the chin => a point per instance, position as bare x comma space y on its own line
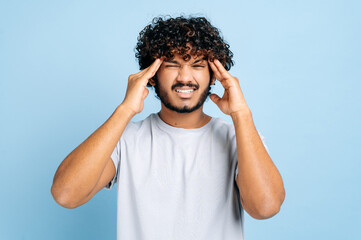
182, 109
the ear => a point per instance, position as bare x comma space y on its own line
151, 82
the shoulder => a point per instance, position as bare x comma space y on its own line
135, 127
223, 131
221, 126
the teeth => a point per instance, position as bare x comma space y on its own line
184, 91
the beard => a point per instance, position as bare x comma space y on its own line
163, 96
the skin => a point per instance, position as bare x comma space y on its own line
195, 71
261, 187
88, 168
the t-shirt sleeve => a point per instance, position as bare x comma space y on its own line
115, 156
265, 146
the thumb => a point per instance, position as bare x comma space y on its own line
215, 98
145, 93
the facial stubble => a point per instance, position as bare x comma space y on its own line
163, 96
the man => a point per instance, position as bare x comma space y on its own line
181, 174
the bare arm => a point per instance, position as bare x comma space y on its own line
88, 167
260, 184
78, 174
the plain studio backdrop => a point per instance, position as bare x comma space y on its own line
64, 67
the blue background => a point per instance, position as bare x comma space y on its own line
64, 67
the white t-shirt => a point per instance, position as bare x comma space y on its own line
176, 183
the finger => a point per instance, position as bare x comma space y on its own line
215, 98
145, 70
221, 69
153, 68
145, 93
215, 71
145, 75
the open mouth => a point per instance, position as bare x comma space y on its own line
184, 90
185, 93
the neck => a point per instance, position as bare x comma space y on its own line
195, 119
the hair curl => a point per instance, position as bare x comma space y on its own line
167, 37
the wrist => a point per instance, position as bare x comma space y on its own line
241, 115
125, 111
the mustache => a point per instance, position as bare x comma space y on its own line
187, 84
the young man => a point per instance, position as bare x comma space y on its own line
181, 174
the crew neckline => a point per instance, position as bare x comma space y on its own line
168, 127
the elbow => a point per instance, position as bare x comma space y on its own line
62, 199
266, 213
269, 209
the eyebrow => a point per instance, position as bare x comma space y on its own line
176, 62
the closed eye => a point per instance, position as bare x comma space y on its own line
198, 66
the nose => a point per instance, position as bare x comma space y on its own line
185, 74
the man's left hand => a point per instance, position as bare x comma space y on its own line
232, 100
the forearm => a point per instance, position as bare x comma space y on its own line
260, 184
81, 169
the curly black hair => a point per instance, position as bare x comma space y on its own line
169, 36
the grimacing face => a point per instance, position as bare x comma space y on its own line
183, 86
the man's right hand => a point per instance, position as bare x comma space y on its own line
136, 90
89, 167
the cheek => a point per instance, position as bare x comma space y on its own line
166, 75
165, 79
202, 77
